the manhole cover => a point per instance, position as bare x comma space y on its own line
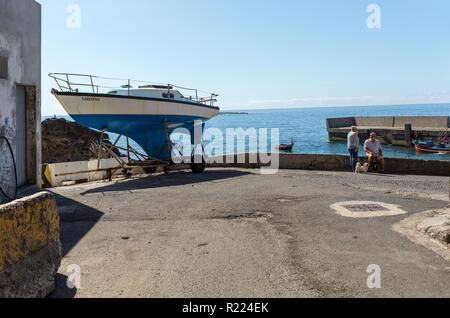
365, 209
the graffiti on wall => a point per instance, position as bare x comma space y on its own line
5, 128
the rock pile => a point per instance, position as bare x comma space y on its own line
66, 141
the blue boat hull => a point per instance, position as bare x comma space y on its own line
146, 130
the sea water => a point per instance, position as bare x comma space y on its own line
307, 126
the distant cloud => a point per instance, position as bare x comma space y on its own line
329, 101
304, 100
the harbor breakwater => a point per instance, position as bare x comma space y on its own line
390, 130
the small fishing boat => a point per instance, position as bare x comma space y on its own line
286, 147
429, 147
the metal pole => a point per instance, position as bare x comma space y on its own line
100, 147
128, 151
68, 82
59, 85
99, 150
167, 135
92, 83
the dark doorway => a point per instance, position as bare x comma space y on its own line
21, 136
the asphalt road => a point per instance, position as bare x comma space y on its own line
236, 233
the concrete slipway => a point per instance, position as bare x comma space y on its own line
233, 232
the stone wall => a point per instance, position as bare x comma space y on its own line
422, 121
390, 121
333, 162
30, 249
340, 122
392, 136
376, 121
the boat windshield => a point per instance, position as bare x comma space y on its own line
153, 93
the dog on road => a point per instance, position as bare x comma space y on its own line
361, 168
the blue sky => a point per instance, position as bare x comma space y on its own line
258, 54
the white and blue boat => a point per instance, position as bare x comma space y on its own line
146, 113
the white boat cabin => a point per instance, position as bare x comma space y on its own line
152, 91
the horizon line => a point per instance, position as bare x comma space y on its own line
298, 107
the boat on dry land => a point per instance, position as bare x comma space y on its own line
145, 112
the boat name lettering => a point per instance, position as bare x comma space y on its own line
90, 99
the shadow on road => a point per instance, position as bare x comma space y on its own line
61, 288
172, 179
77, 219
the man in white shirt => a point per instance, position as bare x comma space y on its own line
372, 147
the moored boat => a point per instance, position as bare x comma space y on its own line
429, 147
286, 147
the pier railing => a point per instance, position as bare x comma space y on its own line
85, 83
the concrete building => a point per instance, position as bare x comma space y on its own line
20, 85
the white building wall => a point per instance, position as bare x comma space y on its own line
20, 42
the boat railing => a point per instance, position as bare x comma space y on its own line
84, 83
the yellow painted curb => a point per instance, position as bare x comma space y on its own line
26, 226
